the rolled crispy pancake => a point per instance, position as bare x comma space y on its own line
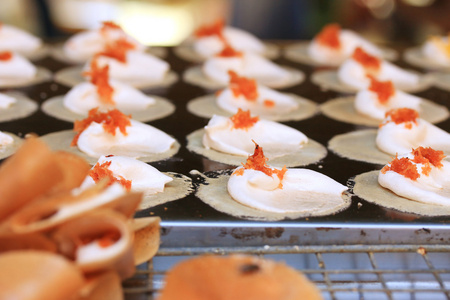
28, 275
236, 277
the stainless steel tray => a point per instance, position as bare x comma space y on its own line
364, 252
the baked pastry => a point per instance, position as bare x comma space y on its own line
38, 275
420, 175
433, 54
247, 94
369, 106
229, 140
126, 64
104, 93
19, 41
354, 73
136, 176
356, 70
415, 182
236, 277
258, 191
213, 73
132, 174
401, 131
84, 45
115, 133
332, 46
210, 39
17, 71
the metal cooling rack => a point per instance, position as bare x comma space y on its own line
340, 272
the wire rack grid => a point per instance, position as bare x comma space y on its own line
340, 272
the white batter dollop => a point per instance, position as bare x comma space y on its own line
354, 74
400, 138
6, 101
144, 177
276, 139
139, 66
208, 46
141, 140
84, 96
84, 45
280, 103
437, 50
431, 187
348, 42
17, 40
247, 64
367, 102
302, 190
16, 67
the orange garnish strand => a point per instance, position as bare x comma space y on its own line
215, 28
402, 166
329, 36
117, 49
104, 240
257, 162
109, 25
100, 78
269, 103
6, 55
108, 239
218, 92
428, 155
384, 89
369, 62
111, 120
243, 86
239, 172
402, 115
229, 51
243, 120
101, 171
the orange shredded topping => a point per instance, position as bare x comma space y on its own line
104, 240
100, 78
215, 28
425, 156
243, 86
329, 36
218, 92
428, 155
109, 25
117, 49
111, 120
257, 162
229, 51
404, 115
101, 171
402, 166
369, 62
384, 89
239, 172
6, 55
269, 103
243, 120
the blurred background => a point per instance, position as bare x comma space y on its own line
168, 22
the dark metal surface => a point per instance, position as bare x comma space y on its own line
190, 210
